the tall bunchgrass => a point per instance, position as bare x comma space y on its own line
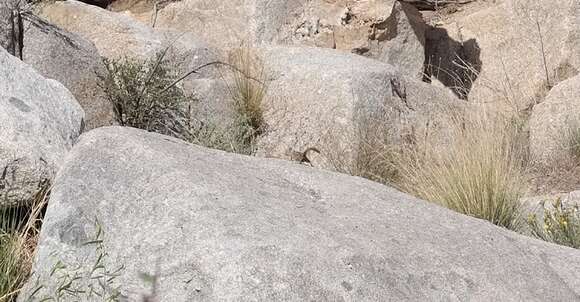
19, 229
248, 87
480, 173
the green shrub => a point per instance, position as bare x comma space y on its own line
142, 97
13, 266
560, 224
479, 174
93, 278
146, 95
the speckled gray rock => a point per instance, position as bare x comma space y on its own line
71, 60
401, 40
222, 227
553, 121
39, 122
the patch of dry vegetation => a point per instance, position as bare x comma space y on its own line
560, 224
248, 87
19, 230
373, 156
147, 95
480, 174
572, 142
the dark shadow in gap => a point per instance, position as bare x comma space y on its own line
456, 64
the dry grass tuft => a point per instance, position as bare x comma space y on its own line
248, 88
573, 142
19, 230
480, 174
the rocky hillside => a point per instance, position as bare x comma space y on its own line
289, 150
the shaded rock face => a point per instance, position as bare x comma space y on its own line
71, 60
399, 40
99, 3
216, 226
423, 51
40, 122
554, 121
11, 27
454, 64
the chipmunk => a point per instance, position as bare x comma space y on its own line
302, 157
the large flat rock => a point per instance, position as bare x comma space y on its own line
215, 226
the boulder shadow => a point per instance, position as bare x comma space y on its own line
455, 64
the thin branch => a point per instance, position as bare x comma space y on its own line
195, 70
543, 54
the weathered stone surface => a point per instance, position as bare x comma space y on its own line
334, 101
213, 103
341, 24
221, 227
514, 38
553, 120
114, 35
74, 62
10, 27
117, 36
40, 120
227, 23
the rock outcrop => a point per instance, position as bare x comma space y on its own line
525, 48
335, 101
40, 121
138, 211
